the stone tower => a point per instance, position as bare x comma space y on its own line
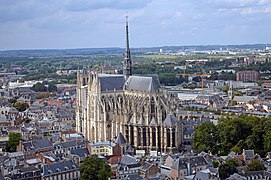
127, 64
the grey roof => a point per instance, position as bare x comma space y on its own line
128, 160
179, 164
170, 120
143, 83
81, 152
110, 82
29, 169
145, 166
50, 154
130, 149
134, 177
120, 139
59, 167
37, 144
66, 144
249, 153
198, 161
236, 176
41, 143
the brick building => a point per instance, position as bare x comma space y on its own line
247, 76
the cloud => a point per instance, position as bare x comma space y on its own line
84, 5
89, 23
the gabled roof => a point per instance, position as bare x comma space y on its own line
179, 164
66, 144
58, 167
153, 121
170, 120
81, 152
120, 139
41, 143
130, 149
143, 83
198, 161
128, 160
145, 166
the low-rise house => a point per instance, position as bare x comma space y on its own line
266, 106
147, 169
48, 157
78, 155
127, 166
35, 146
179, 167
64, 147
27, 173
63, 170
206, 174
107, 148
248, 156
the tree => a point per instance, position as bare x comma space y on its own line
226, 170
20, 106
215, 163
52, 87
205, 138
256, 165
13, 141
39, 87
94, 168
238, 148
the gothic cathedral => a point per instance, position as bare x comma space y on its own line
134, 106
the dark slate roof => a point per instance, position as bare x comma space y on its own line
110, 82
128, 160
66, 144
143, 83
29, 169
120, 139
145, 166
59, 167
198, 161
179, 164
81, 152
42, 143
134, 177
170, 120
28, 146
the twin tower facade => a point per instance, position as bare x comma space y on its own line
132, 105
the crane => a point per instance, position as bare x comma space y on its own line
195, 75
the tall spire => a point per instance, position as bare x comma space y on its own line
127, 65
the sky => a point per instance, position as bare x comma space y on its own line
63, 24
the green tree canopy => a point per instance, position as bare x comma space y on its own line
256, 165
39, 87
234, 134
205, 138
20, 106
13, 141
226, 170
94, 168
